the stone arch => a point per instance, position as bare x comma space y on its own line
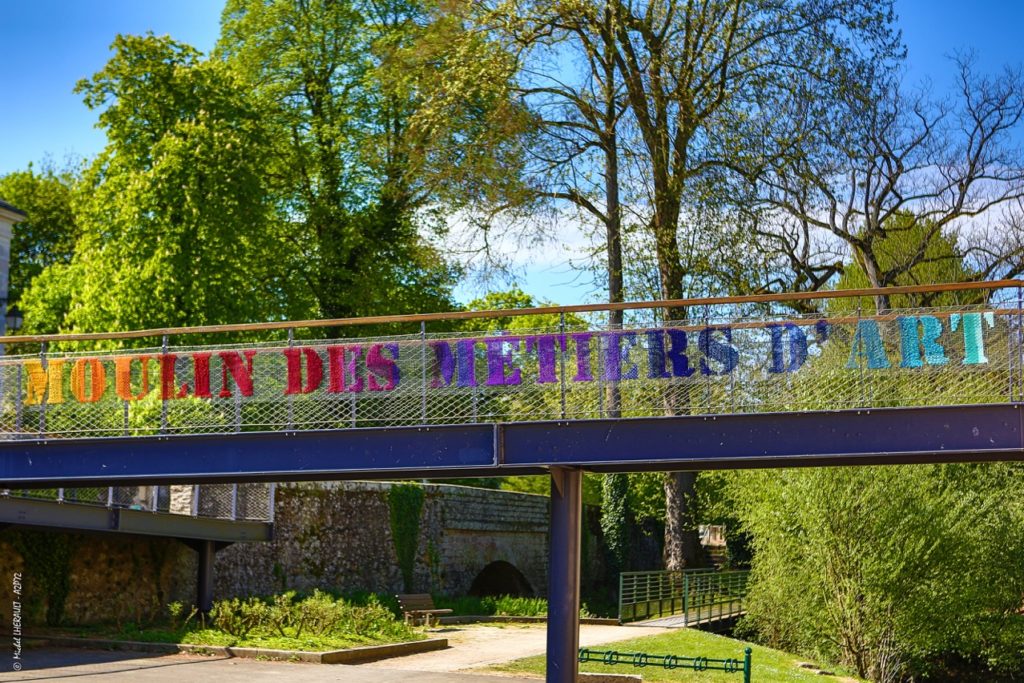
501, 578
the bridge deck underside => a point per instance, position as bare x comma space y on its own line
866, 436
45, 514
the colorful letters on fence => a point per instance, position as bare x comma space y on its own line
576, 357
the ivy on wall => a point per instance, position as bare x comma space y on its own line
405, 502
47, 569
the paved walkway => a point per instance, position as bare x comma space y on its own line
48, 664
481, 645
472, 647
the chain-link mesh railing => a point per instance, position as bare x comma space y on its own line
223, 501
707, 364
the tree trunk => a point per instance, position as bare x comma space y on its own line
873, 271
682, 537
616, 517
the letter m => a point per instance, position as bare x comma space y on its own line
45, 385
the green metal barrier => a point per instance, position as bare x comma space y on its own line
641, 659
696, 595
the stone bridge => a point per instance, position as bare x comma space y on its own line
337, 536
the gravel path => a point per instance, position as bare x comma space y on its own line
479, 645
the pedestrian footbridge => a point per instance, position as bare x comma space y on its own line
908, 375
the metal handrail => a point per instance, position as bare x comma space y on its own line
540, 310
696, 595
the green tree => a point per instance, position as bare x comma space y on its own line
914, 253
49, 233
176, 228
887, 569
889, 160
347, 163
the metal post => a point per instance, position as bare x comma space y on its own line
746, 665
860, 359
270, 502
291, 397
195, 500
154, 498
423, 372
621, 593
686, 599
234, 501
163, 398
110, 496
564, 575
42, 404
561, 357
1020, 341
60, 495
204, 584
17, 405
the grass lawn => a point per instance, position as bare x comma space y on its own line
767, 664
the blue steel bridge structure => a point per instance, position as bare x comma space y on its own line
738, 382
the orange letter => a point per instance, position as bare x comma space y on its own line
97, 376
123, 377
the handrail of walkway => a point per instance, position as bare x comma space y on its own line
507, 313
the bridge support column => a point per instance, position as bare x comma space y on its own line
204, 584
564, 575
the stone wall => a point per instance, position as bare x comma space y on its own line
110, 578
337, 536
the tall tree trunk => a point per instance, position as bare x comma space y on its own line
616, 518
682, 536
869, 262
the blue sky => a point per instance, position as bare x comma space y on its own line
50, 44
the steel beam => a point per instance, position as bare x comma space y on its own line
564, 575
204, 582
74, 517
845, 437
249, 456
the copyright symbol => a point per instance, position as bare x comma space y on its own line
17, 666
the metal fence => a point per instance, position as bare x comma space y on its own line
643, 660
695, 596
715, 362
222, 501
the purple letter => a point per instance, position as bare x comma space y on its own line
498, 359
582, 340
545, 347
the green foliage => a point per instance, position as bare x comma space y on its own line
174, 214
501, 605
913, 252
510, 300
47, 569
768, 664
285, 621
540, 484
405, 502
48, 234
342, 168
886, 569
616, 520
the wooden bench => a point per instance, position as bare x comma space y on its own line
416, 606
